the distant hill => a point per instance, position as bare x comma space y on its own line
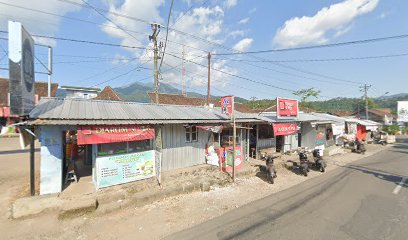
137, 92
395, 96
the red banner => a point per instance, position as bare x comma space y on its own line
286, 108
227, 105
280, 129
113, 133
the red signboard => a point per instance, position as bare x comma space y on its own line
286, 108
280, 129
113, 133
227, 105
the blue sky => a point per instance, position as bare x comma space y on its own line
222, 27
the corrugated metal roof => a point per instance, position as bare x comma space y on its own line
85, 111
362, 121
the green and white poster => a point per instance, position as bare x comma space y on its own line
125, 168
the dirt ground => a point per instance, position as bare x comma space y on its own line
152, 221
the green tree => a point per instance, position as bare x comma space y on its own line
305, 94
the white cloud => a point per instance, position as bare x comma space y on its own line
311, 30
243, 21
200, 22
146, 10
236, 33
120, 59
243, 45
230, 3
36, 22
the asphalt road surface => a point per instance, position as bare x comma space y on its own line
367, 199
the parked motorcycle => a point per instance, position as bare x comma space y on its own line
360, 147
320, 164
270, 169
304, 162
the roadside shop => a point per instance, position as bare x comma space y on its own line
118, 142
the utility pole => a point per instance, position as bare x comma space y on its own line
153, 37
253, 102
209, 79
183, 74
365, 89
49, 69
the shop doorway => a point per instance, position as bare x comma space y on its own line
279, 143
77, 163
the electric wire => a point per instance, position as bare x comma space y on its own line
362, 41
167, 34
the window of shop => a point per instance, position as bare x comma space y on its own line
108, 149
191, 134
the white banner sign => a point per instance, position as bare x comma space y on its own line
403, 111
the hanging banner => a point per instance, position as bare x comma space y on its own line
402, 111
113, 133
227, 105
280, 129
215, 129
338, 129
125, 168
287, 108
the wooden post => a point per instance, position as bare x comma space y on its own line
234, 136
247, 139
257, 139
209, 80
32, 170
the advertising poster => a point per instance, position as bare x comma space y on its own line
227, 105
21, 69
113, 170
402, 111
287, 108
226, 158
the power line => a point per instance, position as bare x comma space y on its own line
144, 21
322, 60
190, 35
80, 41
105, 17
363, 41
188, 10
236, 76
167, 34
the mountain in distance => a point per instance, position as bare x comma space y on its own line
137, 92
395, 96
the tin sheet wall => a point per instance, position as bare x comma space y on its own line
177, 153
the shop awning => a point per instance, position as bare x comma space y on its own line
280, 129
113, 133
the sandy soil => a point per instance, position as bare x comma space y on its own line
152, 221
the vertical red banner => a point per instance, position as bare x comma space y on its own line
227, 105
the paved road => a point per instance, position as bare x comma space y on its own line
365, 200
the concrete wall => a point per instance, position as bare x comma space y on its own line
51, 139
177, 153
